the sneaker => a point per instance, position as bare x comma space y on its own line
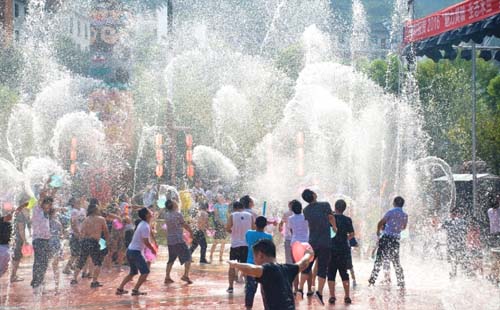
319, 297
230, 290
347, 300
332, 300
187, 280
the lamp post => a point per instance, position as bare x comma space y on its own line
474, 171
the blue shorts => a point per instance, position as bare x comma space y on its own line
137, 262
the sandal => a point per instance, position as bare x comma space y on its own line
332, 300
187, 280
95, 285
168, 281
138, 293
347, 300
16, 279
301, 292
309, 294
120, 291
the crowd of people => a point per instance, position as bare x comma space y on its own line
317, 242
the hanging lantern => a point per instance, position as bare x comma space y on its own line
158, 141
300, 169
73, 155
159, 156
159, 170
72, 169
189, 141
300, 138
189, 156
190, 171
73, 143
300, 154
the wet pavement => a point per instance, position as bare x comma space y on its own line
428, 287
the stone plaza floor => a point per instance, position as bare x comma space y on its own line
428, 287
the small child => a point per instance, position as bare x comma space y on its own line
275, 279
252, 236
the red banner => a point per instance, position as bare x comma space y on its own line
453, 17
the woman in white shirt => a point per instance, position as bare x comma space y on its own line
299, 229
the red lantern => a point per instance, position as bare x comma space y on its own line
189, 156
72, 169
159, 156
300, 138
189, 141
73, 143
300, 154
300, 169
158, 140
73, 155
190, 171
159, 170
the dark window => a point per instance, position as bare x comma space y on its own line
71, 25
16, 10
78, 28
86, 32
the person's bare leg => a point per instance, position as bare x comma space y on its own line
231, 277
321, 284
309, 284
140, 281
70, 264
55, 268
331, 287
222, 248
212, 250
13, 272
96, 272
168, 279
303, 278
346, 289
185, 277
126, 280
296, 283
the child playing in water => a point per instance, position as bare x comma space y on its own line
275, 279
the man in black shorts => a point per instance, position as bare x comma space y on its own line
238, 224
320, 218
275, 279
341, 253
92, 228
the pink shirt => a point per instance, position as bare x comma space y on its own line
40, 224
494, 216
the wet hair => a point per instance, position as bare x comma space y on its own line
340, 205
261, 222
136, 223
169, 204
296, 206
245, 200
122, 198
47, 200
237, 205
143, 213
94, 201
399, 201
92, 209
308, 195
266, 247
203, 206
72, 201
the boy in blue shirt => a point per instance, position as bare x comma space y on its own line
252, 236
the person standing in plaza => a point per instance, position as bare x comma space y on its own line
456, 231
284, 226
299, 229
319, 216
394, 221
5, 237
20, 224
93, 228
135, 254
239, 223
199, 237
252, 236
248, 206
341, 259
221, 214
177, 247
41, 237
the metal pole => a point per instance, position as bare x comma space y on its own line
474, 172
